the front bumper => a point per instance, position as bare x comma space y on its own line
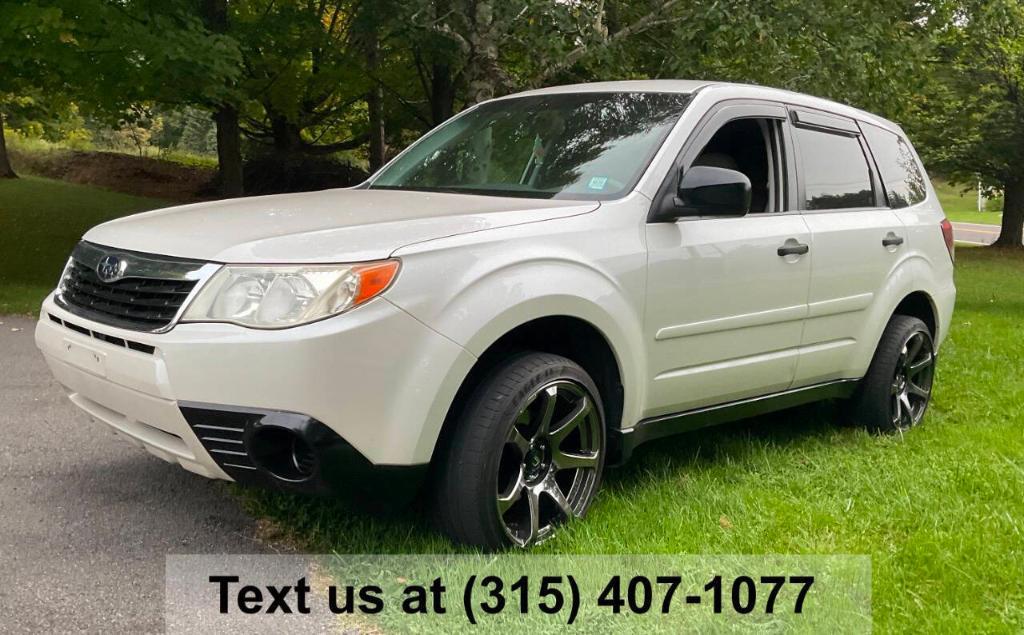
377, 377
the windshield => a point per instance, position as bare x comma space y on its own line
577, 145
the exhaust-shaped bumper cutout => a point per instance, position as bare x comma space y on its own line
297, 453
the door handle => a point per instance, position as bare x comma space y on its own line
892, 240
793, 249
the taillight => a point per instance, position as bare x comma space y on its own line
947, 235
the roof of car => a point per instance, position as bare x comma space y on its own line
724, 90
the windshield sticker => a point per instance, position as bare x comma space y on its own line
598, 182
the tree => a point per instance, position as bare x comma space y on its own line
116, 57
32, 46
6, 171
970, 119
372, 22
225, 114
505, 46
305, 75
862, 52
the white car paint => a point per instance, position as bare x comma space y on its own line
725, 313
319, 227
697, 312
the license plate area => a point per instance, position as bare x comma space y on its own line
85, 357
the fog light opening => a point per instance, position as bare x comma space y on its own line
282, 453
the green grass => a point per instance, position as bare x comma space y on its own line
40, 221
187, 159
38, 145
939, 509
962, 206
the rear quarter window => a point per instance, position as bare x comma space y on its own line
901, 177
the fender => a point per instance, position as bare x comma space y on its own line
910, 274
491, 296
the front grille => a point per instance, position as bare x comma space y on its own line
147, 296
134, 303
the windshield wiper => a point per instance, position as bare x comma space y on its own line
469, 191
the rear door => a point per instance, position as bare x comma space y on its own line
856, 240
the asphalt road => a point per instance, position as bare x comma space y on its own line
975, 234
86, 519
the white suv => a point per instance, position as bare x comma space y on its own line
520, 299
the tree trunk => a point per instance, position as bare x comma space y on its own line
378, 147
483, 72
442, 94
229, 134
286, 135
1011, 236
229, 151
375, 108
6, 171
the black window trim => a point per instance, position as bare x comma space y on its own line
884, 195
718, 115
841, 126
826, 122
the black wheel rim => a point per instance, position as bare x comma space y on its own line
912, 383
550, 463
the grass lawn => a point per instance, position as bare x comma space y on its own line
962, 206
40, 221
940, 509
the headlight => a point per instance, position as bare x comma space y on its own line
261, 296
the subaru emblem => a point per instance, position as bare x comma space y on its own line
111, 268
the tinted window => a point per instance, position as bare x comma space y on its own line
581, 145
904, 183
835, 172
743, 145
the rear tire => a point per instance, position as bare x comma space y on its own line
526, 455
894, 394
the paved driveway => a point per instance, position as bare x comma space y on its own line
975, 234
85, 519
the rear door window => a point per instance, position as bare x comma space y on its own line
903, 181
835, 170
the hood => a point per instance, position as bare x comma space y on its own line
329, 226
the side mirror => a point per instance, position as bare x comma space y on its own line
708, 191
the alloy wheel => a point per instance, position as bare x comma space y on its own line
912, 384
550, 462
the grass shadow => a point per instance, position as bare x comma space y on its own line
336, 525
733, 442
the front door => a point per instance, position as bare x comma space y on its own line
726, 297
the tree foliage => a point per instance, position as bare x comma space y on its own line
970, 117
303, 78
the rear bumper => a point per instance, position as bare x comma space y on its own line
945, 301
377, 378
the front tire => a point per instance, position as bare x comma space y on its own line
895, 392
527, 454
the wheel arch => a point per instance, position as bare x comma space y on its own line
911, 288
568, 335
921, 305
494, 297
